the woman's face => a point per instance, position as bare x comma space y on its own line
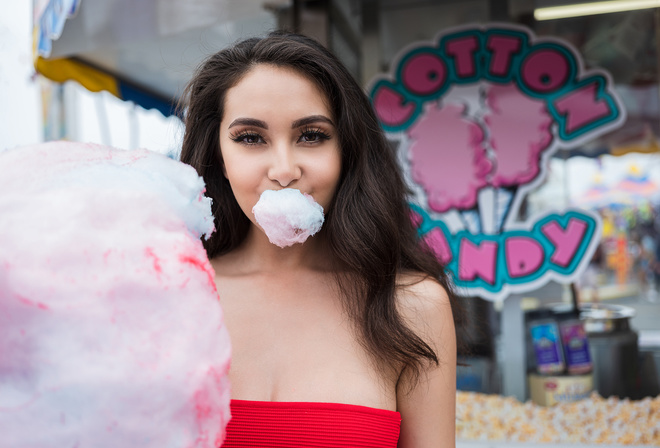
278, 132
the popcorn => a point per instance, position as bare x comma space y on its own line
288, 216
111, 333
594, 420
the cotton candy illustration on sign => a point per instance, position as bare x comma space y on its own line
448, 158
518, 155
112, 334
469, 158
475, 115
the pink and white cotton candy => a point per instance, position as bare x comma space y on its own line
518, 153
111, 331
448, 157
288, 216
473, 150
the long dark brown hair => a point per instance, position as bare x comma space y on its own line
368, 225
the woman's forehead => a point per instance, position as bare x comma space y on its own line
272, 89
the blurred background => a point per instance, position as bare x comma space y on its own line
111, 71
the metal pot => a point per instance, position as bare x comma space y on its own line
614, 349
600, 318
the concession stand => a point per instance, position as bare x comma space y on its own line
480, 98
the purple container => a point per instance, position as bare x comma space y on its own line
547, 346
576, 346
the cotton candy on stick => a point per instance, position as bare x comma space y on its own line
448, 158
519, 133
288, 216
111, 334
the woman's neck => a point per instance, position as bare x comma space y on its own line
257, 254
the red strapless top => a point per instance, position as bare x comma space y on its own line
304, 424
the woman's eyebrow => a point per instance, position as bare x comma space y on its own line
248, 122
311, 119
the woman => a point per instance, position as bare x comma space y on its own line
339, 340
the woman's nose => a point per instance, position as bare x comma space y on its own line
284, 168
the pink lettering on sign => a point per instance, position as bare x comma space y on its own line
524, 256
545, 70
424, 74
416, 218
502, 48
566, 241
582, 107
462, 50
437, 241
477, 261
390, 107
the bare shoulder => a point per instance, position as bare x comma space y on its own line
415, 287
427, 406
423, 303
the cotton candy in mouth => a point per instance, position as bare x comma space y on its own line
288, 216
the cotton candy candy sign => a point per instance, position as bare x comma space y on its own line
477, 113
111, 334
521, 257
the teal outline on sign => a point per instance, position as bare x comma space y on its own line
515, 63
502, 276
601, 84
513, 75
573, 69
479, 68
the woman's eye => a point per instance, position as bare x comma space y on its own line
313, 136
248, 138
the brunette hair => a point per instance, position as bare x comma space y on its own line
368, 225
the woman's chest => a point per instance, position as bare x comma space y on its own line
294, 342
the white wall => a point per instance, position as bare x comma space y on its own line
20, 105
92, 117
105, 119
